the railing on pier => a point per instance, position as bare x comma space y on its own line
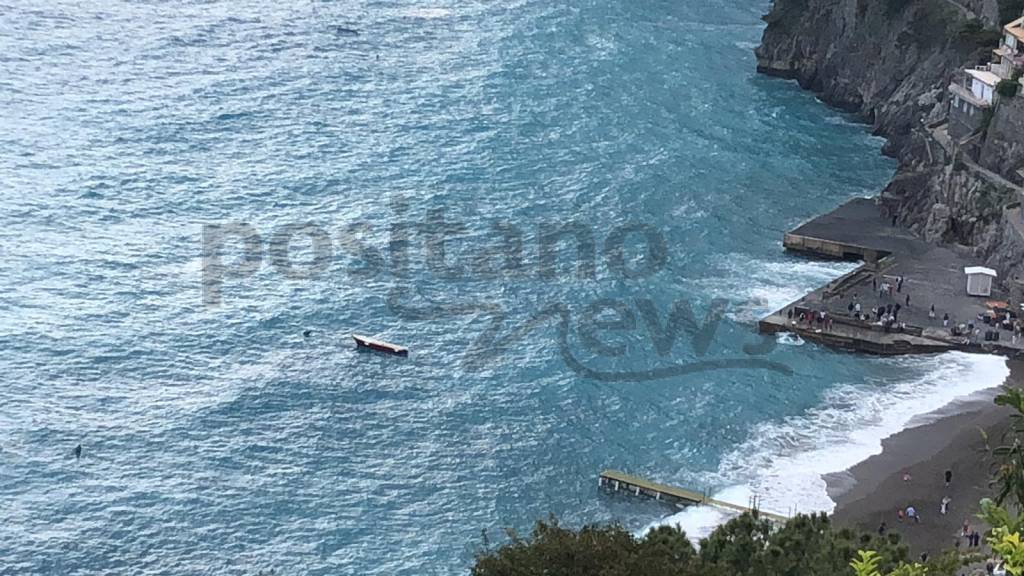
620, 481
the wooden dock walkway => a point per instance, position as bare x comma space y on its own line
620, 481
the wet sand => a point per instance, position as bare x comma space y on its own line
872, 491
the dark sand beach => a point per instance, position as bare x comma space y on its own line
872, 491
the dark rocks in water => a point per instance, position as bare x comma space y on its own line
307, 333
343, 31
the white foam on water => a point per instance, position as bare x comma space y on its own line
756, 288
746, 45
428, 13
784, 462
789, 339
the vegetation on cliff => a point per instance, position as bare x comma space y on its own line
745, 546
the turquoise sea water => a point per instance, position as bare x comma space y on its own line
219, 440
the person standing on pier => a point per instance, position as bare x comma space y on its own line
931, 312
945, 320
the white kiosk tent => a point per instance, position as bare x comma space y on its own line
979, 280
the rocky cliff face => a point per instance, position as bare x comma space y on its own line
891, 62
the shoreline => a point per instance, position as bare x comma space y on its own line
950, 439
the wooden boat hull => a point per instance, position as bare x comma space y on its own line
367, 343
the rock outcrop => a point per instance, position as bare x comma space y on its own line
891, 61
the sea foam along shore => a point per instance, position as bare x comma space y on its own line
872, 491
786, 463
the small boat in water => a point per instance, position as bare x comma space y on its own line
368, 343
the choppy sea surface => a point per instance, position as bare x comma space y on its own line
334, 137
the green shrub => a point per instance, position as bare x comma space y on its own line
1007, 88
975, 32
1010, 10
745, 546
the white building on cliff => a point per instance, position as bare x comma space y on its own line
973, 92
1008, 59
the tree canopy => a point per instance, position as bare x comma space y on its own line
745, 546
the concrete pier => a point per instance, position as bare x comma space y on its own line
616, 481
933, 276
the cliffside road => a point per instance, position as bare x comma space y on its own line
940, 135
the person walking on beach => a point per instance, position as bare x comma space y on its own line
907, 301
945, 505
912, 514
931, 312
899, 515
945, 320
882, 528
949, 477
